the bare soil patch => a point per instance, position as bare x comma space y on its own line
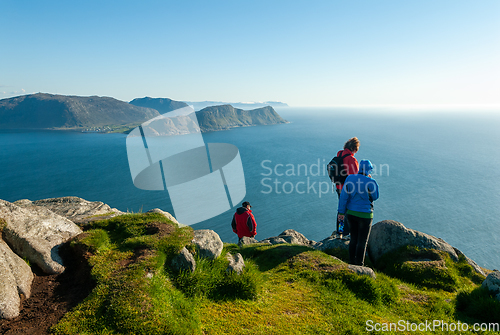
52, 296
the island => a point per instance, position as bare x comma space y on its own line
106, 114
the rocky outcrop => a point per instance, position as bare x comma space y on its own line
389, 235
492, 283
15, 282
208, 243
75, 209
247, 240
236, 263
289, 236
35, 233
184, 261
332, 243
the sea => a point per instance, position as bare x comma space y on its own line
436, 170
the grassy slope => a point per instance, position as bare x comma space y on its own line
285, 289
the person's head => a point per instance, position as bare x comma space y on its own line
352, 144
365, 167
246, 205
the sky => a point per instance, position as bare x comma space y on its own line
304, 53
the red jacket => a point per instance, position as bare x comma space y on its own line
244, 223
350, 162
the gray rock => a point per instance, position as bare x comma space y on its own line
362, 270
474, 265
332, 243
167, 215
289, 236
15, 281
36, 233
184, 261
236, 263
274, 240
74, 208
492, 283
208, 243
247, 240
389, 235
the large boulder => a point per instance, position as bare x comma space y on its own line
75, 209
184, 261
492, 283
15, 282
208, 243
289, 236
389, 235
332, 243
36, 233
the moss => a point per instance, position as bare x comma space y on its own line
424, 267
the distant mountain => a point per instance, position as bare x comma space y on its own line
226, 116
198, 105
59, 111
162, 105
51, 111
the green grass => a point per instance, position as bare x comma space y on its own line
284, 289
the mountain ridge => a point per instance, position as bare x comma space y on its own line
52, 111
105, 114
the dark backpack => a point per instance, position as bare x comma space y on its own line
337, 169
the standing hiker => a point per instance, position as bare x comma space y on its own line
356, 203
348, 165
243, 223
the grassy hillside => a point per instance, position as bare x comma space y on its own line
284, 289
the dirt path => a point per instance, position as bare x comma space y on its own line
51, 296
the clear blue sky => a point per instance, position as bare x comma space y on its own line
305, 53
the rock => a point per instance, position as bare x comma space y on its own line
247, 240
474, 265
492, 283
274, 240
15, 280
289, 236
35, 233
362, 270
389, 235
208, 243
167, 215
184, 261
75, 209
332, 243
236, 263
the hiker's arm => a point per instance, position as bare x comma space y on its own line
252, 225
373, 187
233, 224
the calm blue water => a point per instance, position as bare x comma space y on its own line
436, 171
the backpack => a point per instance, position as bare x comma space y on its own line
337, 169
